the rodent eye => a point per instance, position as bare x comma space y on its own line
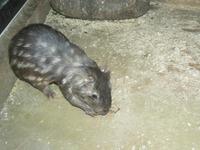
94, 96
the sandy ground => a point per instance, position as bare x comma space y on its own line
155, 73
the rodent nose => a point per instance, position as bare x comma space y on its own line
102, 111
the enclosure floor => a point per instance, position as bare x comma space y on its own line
155, 73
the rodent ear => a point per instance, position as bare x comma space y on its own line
106, 73
104, 68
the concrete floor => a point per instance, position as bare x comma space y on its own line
155, 73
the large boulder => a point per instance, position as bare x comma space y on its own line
101, 9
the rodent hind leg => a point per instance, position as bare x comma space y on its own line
44, 88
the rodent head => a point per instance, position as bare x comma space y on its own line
89, 89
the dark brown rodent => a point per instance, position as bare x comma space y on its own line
40, 55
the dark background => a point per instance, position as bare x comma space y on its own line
8, 9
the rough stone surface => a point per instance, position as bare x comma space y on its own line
101, 9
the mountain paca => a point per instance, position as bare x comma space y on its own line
40, 55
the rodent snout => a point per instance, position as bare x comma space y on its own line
102, 111
97, 111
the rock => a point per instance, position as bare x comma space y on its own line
101, 9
